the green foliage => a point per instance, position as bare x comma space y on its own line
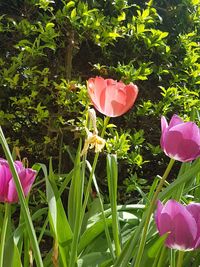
50, 48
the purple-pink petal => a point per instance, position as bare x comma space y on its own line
164, 124
8, 192
158, 213
184, 232
189, 130
194, 210
188, 150
175, 120
27, 177
180, 140
181, 222
172, 142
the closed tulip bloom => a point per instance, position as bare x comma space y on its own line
110, 97
182, 223
180, 140
8, 192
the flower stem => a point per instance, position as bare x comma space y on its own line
180, 258
112, 177
3, 232
81, 210
109, 241
149, 213
172, 258
78, 207
87, 192
24, 206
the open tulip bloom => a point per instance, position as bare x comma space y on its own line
180, 140
110, 97
181, 222
8, 192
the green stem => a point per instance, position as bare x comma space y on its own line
180, 258
162, 257
87, 192
149, 213
80, 212
112, 177
116, 235
103, 215
3, 232
78, 217
172, 258
24, 206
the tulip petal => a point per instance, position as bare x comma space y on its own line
8, 192
197, 241
96, 88
19, 165
189, 130
5, 177
184, 232
132, 93
194, 209
164, 126
166, 226
188, 150
115, 98
175, 120
179, 222
158, 214
12, 195
172, 141
110, 97
173, 208
180, 140
27, 177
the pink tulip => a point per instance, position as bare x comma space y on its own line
181, 222
8, 192
110, 97
180, 140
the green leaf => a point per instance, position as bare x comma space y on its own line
112, 176
145, 13
91, 233
16, 257
140, 28
70, 4
73, 14
154, 249
94, 259
122, 16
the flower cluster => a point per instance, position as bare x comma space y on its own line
179, 141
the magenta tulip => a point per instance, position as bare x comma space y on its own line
180, 140
8, 192
110, 97
181, 222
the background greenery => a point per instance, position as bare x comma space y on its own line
48, 49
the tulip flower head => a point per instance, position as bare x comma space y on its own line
181, 222
110, 97
8, 192
180, 140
